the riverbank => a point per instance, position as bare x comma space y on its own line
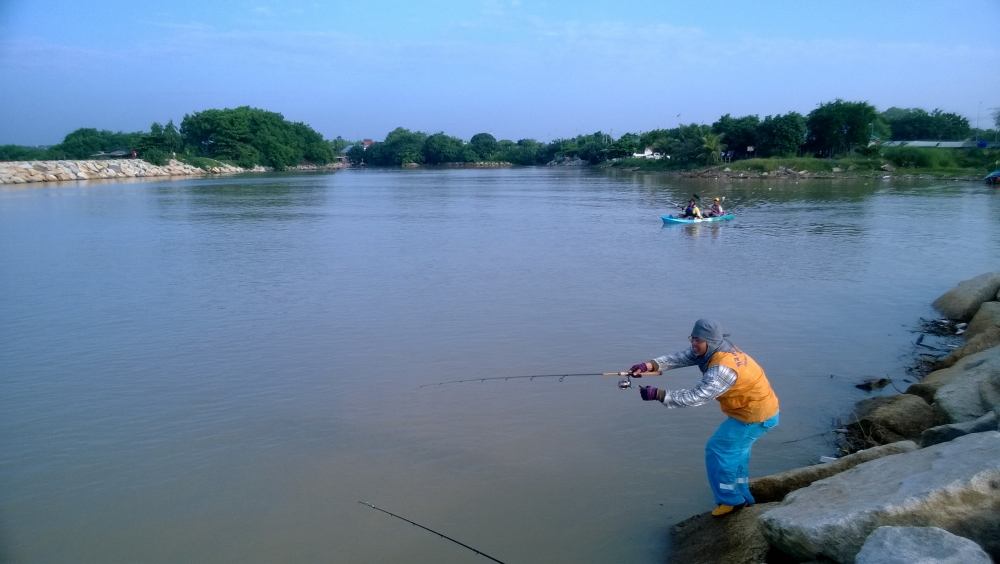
926, 480
805, 168
24, 172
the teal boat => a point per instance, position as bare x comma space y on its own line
669, 219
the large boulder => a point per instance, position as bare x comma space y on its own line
907, 545
943, 433
988, 338
928, 387
884, 420
736, 538
953, 485
989, 393
986, 318
961, 398
962, 301
776, 486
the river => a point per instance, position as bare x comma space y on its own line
209, 370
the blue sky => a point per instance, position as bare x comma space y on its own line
513, 68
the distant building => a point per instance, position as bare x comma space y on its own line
648, 154
967, 144
119, 154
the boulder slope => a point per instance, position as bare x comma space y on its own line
906, 545
962, 301
953, 485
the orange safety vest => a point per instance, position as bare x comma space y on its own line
750, 399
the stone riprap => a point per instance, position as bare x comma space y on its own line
776, 486
908, 545
961, 398
22, 172
953, 485
963, 301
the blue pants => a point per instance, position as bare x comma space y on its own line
727, 459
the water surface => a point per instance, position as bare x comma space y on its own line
220, 369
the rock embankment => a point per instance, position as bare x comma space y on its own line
929, 484
22, 172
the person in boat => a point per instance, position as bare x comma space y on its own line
716, 209
691, 210
734, 379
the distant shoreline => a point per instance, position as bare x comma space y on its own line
26, 172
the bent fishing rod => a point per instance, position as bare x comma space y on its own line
442, 535
624, 383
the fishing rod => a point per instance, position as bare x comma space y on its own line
442, 535
624, 383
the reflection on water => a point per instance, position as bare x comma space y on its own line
241, 358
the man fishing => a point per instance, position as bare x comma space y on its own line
732, 377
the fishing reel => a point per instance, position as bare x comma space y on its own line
626, 382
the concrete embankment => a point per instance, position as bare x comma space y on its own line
926, 486
22, 172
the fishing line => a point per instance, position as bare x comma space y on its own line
442, 535
533, 376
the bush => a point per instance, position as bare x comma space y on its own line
203, 163
919, 157
155, 156
22, 153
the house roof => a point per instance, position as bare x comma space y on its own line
938, 144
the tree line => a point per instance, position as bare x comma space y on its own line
833, 128
243, 136
249, 137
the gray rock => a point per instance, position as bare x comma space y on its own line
989, 338
735, 538
916, 545
961, 399
989, 393
776, 486
885, 420
953, 485
963, 301
943, 433
986, 318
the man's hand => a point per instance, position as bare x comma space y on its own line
649, 393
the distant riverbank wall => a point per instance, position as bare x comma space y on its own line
23, 172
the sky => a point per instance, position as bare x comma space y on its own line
513, 68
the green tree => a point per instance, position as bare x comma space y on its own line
711, 148
837, 127
250, 136
659, 140
484, 145
22, 153
738, 133
357, 154
339, 144
440, 148
626, 145
85, 142
401, 146
781, 135
910, 124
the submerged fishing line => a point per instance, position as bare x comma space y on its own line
442, 535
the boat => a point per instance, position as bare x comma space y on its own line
668, 219
993, 178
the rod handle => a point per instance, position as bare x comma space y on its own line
639, 375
